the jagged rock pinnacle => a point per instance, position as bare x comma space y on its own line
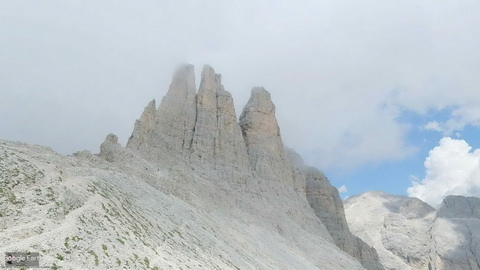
143, 129
206, 123
199, 128
202, 129
177, 111
217, 136
168, 130
262, 136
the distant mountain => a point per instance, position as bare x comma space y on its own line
194, 188
410, 234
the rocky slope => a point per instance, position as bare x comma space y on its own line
410, 234
328, 206
194, 188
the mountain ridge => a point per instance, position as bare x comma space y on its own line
410, 234
194, 188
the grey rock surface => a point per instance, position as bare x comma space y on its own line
85, 212
328, 206
194, 188
217, 138
459, 207
144, 127
110, 147
169, 129
262, 137
410, 234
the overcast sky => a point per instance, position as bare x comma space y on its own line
363, 90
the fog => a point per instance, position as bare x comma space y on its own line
341, 73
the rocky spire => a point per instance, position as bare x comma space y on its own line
200, 128
169, 129
262, 136
110, 147
143, 129
230, 144
217, 136
206, 132
177, 112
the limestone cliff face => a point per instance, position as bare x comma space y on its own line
456, 234
194, 188
410, 234
262, 137
459, 207
206, 130
201, 130
143, 131
198, 128
175, 117
328, 206
217, 136
110, 147
170, 128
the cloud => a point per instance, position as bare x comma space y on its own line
451, 169
340, 73
342, 189
458, 119
434, 126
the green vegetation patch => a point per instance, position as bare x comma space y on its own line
94, 255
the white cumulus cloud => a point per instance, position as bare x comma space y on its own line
342, 189
451, 169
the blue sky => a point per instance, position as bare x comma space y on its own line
395, 177
363, 90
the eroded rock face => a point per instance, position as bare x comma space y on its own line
328, 206
298, 173
110, 147
194, 188
456, 234
198, 128
168, 130
459, 207
142, 134
83, 212
175, 117
201, 130
206, 127
217, 137
262, 136
410, 234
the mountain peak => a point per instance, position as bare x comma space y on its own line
203, 127
193, 188
262, 136
209, 79
260, 101
454, 206
410, 234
